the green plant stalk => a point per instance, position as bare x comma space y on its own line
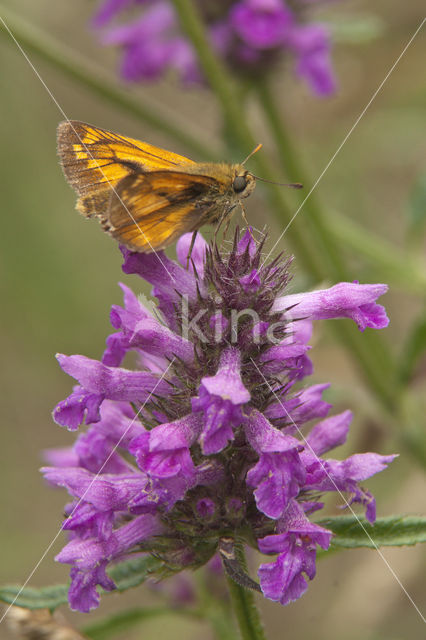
236, 126
312, 213
243, 604
367, 350
213, 608
35, 41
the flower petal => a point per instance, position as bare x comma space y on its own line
198, 253
344, 300
329, 433
112, 382
220, 398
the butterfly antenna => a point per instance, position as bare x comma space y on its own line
255, 150
295, 185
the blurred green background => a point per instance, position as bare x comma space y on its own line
59, 273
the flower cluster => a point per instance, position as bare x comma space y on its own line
250, 35
207, 437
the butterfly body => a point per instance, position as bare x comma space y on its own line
144, 196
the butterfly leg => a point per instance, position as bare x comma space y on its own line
227, 215
244, 217
191, 246
225, 232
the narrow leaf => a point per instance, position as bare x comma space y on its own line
127, 574
352, 532
35, 598
134, 572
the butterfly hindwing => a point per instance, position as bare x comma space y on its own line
148, 211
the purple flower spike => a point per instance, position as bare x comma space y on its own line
208, 432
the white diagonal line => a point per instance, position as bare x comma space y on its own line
46, 551
321, 463
82, 143
345, 139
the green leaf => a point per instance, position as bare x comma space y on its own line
352, 532
126, 575
134, 572
413, 350
35, 598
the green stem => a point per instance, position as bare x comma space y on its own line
214, 608
36, 41
333, 264
242, 600
236, 126
216, 73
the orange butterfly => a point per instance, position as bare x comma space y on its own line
144, 196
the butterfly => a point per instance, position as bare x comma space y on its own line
144, 196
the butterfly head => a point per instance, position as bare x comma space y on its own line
243, 183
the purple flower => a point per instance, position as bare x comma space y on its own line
204, 435
311, 46
261, 24
344, 300
220, 399
283, 580
248, 34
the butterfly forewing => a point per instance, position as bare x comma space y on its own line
93, 157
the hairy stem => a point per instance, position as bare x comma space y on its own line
242, 600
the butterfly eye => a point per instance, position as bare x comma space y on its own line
239, 184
